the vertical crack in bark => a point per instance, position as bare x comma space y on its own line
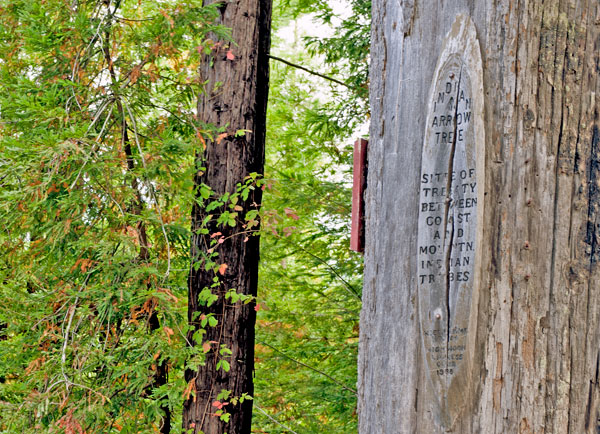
590, 401
446, 215
593, 199
557, 94
591, 238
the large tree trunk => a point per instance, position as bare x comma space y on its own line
235, 99
528, 356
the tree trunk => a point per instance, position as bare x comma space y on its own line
235, 99
512, 346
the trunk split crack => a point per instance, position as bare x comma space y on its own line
450, 236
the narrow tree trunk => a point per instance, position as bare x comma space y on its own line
235, 98
529, 349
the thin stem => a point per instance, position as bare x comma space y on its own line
273, 419
318, 74
350, 288
309, 367
152, 191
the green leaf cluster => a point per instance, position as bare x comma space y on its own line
97, 160
98, 156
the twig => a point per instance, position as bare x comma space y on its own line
63, 357
98, 139
133, 20
309, 367
274, 420
350, 288
97, 35
318, 74
98, 113
151, 188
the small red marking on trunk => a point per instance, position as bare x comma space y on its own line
357, 234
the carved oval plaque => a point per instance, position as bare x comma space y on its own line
450, 218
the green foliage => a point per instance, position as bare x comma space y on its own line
309, 292
97, 161
98, 142
346, 53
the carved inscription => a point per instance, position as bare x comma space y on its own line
447, 226
450, 212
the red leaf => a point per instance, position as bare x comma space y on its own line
188, 389
222, 269
220, 137
291, 213
257, 307
230, 55
288, 231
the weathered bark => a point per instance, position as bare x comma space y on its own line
536, 354
235, 98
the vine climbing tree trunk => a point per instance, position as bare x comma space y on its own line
235, 100
487, 323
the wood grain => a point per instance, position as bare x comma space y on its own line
535, 366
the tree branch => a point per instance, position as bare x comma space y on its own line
318, 74
309, 367
349, 287
274, 420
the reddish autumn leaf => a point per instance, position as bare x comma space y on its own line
220, 137
288, 231
222, 269
188, 389
269, 185
216, 234
199, 135
206, 347
291, 213
257, 307
230, 55
167, 17
169, 332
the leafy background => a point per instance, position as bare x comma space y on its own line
97, 151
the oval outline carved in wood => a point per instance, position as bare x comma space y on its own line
450, 225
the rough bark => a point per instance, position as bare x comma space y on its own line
235, 98
537, 331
